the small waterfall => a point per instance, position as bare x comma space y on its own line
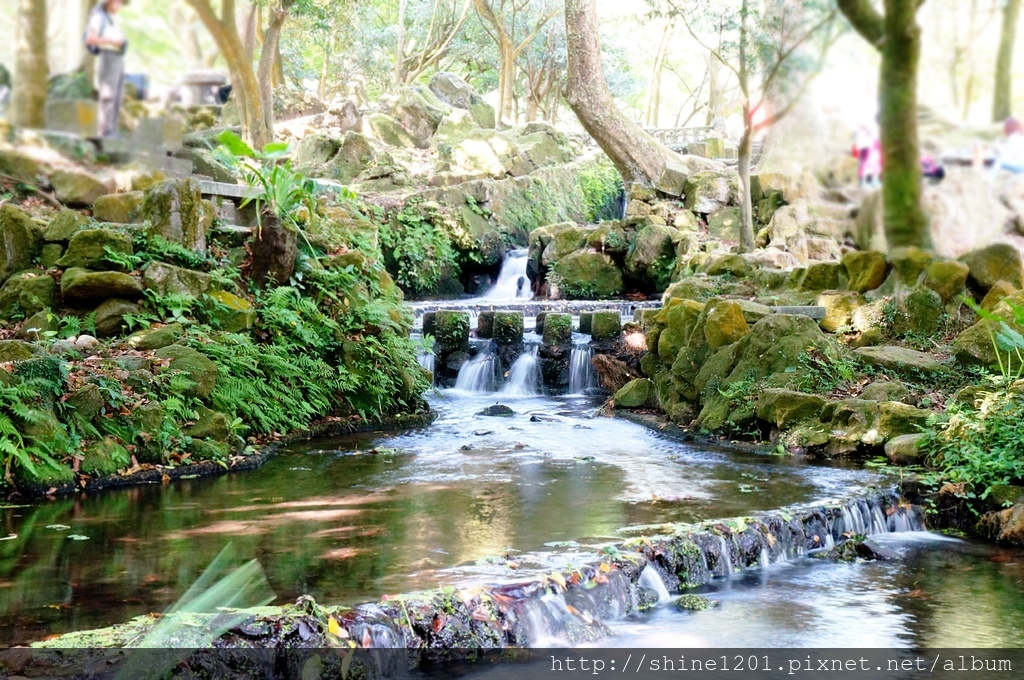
724, 558
512, 284
650, 579
581, 371
426, 360
477, 374
524, 378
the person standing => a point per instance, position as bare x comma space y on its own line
104, 39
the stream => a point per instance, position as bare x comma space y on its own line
474, 498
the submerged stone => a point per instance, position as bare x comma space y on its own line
497, 411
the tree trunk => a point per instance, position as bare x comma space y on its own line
905, 221
1002, 105
746, 205
714, 89
265, 71
400, 50
28, 98
637, 156
506, 78
653, 102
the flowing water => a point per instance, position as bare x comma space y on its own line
581, 370
512, 283
524, 377
487, 499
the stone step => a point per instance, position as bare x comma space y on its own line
237, 191
812, 311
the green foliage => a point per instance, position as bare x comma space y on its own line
417, 251
601, 186
822, 371
16, 409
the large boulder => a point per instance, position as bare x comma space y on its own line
110, 316
81, 284
91, 249
708, 191
167, 279
27, 293
193, 365
175, 211
17, 350
484, 152
419, 111
639, 393
866, 269
974, 345
64, 225
840, 306
119, 208
388, 130
947, 278
541, 144
586, 274
454, 91
77, 187
232, 313
784, 408
651, 257
994, 263
725, 224
917, 312
355, 154
724, 324
906, 362
21, 240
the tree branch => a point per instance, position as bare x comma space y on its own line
865, 19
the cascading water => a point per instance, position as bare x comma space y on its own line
477, 374
512, 284
649, 578
426, 359
581, 371
524, 378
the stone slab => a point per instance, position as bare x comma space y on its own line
814, 312
75, 116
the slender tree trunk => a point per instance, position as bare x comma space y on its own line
1002, 105
506, 78
746, 205
265, 72
653, 102
325, 71
714, 88
905, 221
400, 50
637, 156
28, 98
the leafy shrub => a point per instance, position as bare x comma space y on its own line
416, 251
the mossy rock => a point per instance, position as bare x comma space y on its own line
883, 390
918, 312
586, 274
388, 130
167, 279
77, 187
586, 322
110, 316
18, 350
213, 425
81, 284
204, 449
639, 393
104, 457
784, 408
451, 328
233, 313
910, 263
123, 208
87, 402
88, 249
866, 270
155, 338
354, 157
694, 603
706, 192
651, 257
724, 324
485, 324
37, 326
947, 278
897, 418
193, 365
41, 424
557, 329
43, 477
839, 308
566, 238
50, 253
175, 210
27, 293
497, 411
995, 263
610, 238
725, 224
21, 240
901, 360
315, 150
905, 449
64, 225
823, 276
1000, 291
728, 264
605, 325
693, 288
508, 328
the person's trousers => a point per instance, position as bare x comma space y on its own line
111, 86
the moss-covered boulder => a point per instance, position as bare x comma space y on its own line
585, 274
651, 257
81, 284
725, 224
17, 350
896, 419
724, 324
605, 325
784, 408
557, 329
419, 111
104, 457
840, 307
910, 264
706, 192
565, 238
123, 208
508, 328
231, 312
167, 279
77, 187
155, 338
901, 360
586, 321
175, 210
27, 293
451, 328
199, 370
87, 402
638, 393
110, 316
37, 326
994, 263
50, 254
455, 92
89, 248
387, 129
64, 225
1000, 291
917, 312
883, 390
213, 425
866, 270
947, 278
20, 238
823, 276
730, 264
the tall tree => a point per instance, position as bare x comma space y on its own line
897, 36
1002, 105
28, 98
776, 47
505, 19
417, 52
652, 105
253, 88
637, 156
